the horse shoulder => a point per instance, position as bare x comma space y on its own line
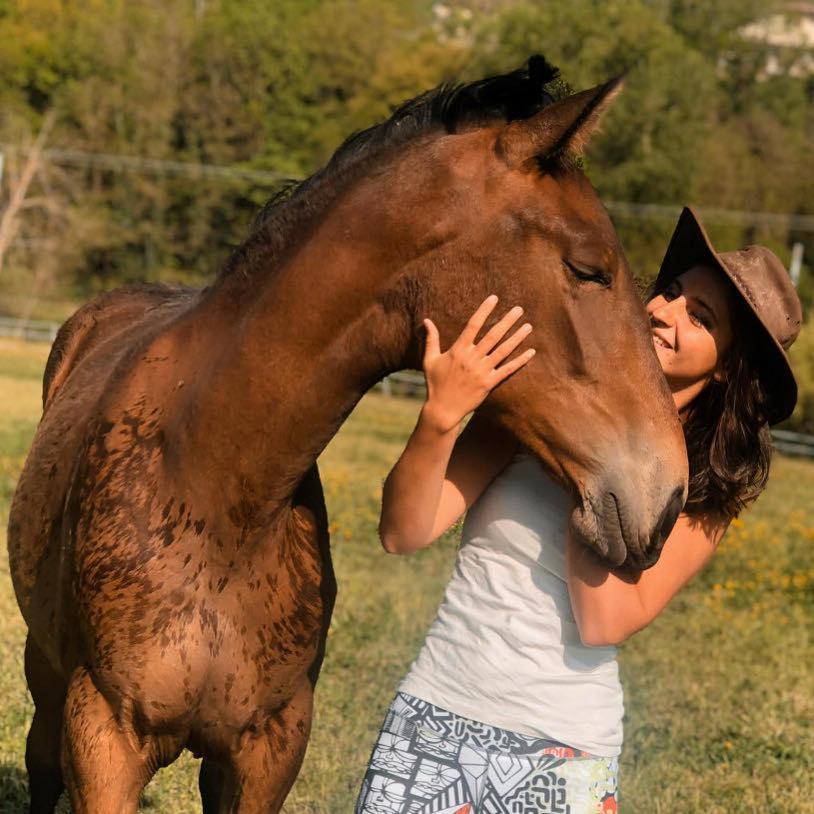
99, 319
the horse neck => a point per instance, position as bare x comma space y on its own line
307, 343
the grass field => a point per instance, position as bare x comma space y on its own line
719, 690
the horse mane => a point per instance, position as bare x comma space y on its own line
449, 108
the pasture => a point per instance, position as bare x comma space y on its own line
719, 690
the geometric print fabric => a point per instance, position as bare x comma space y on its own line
428, 760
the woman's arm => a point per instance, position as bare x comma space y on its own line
437, 478
440, 474
609, 606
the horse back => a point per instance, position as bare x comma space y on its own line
88, 349
98, 320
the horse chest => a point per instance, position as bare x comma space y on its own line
201, 637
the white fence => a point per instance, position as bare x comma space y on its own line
30, 329
404, 383
793, 443
412, 384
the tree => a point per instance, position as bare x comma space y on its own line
19, 199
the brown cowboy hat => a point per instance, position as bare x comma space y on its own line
766, 288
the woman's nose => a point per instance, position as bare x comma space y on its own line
661, 317
667, 311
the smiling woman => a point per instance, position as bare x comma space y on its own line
514, 701
722, 324
692, 331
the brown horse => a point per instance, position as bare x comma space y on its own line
168, 537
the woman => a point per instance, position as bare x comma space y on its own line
514, 703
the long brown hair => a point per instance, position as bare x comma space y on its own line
726, 429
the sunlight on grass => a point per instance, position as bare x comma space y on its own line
718, 690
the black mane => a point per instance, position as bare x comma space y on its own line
451, 108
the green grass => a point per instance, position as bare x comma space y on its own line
719, 690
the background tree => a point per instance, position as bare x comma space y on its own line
267, 91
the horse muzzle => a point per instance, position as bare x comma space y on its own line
616, 527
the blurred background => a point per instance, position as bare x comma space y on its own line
138, 140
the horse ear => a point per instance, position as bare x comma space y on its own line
562, 127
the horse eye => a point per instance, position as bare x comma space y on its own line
586, 273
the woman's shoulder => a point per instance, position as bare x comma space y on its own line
711, 525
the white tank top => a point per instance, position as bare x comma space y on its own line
504, 648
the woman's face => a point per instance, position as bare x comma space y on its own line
690, 323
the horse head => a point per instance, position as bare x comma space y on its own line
503, 207
466, 191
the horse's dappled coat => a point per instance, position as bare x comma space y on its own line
168, 538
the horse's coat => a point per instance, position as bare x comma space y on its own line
168, 537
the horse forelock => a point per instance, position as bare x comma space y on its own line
446, 109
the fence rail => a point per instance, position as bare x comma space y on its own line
32, 330
793, 443
404, 383
412, 384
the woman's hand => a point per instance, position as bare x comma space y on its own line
459, 379
430, 487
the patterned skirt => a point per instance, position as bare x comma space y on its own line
427, 760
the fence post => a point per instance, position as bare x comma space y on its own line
796, 263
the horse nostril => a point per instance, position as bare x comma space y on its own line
669, 516
644, 559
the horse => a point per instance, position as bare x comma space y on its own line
168, 537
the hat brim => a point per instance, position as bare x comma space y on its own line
690, 246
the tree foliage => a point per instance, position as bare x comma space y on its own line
275, 88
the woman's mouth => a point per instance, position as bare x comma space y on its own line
658, 341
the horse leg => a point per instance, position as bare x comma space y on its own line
47, 689
216, 786
104, 765
266, 764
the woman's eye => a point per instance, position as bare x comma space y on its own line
586, 273
699, 320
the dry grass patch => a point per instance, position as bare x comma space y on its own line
719, 691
